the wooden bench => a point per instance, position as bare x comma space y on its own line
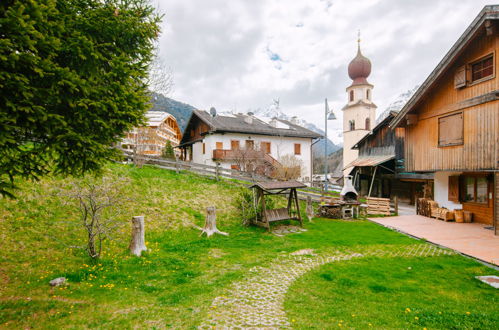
277, 214
377, 205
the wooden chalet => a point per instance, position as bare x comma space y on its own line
151, 139
452, 122
379, 169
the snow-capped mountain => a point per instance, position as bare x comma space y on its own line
335, 139
397, 104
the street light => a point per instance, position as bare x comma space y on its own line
328, 115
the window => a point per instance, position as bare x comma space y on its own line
265, 147
235, 167
297, 149
204, 148
352, 125
250, 144
483, 68
475, 189
220, 145
234, 144
450, 130
368, 124
368, 94
351, 96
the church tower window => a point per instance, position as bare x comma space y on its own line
368, 124
352, 125
368, 94
351, 96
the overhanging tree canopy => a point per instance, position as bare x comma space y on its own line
72, 80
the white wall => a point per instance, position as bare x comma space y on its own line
441, 185
279, 146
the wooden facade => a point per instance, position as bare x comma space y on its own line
452, 122
379, 170
480, 149
151, 139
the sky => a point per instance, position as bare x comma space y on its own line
239, 55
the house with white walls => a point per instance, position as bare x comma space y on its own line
248, 143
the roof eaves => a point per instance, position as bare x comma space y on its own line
488, 12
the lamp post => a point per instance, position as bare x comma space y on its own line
328, 115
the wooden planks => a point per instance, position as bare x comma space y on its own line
277, 214
480, 150
378, 205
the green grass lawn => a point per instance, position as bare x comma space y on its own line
174, 282
433, 292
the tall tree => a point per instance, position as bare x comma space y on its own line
73, 78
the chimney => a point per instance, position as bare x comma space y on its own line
249, 118
294, 120
273, 122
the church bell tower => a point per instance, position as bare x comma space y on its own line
359, 114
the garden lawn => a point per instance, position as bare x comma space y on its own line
410, 293
174, 282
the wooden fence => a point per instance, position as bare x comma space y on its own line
217, 172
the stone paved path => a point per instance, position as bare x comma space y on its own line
256, 302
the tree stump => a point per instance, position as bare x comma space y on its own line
309, 209
138, 243
210, 224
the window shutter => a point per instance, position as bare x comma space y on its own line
460, 77
454, 188
450, 130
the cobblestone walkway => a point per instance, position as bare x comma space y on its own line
256, 302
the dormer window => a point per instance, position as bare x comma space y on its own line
352, 125
351, 96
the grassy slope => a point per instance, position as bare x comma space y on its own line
173, 283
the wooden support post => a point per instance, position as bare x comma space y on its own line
396, 202
138, 243
372, 182
297, 206
176, 165
264, 215
217, 172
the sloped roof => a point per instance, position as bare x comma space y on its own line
382, 123
490, 12
237, 124
367, 161
272, 185
155, 118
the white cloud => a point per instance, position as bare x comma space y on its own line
241, 54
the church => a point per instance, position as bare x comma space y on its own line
359, 114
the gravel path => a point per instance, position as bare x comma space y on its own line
256, 302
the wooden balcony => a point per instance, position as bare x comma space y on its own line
222, 154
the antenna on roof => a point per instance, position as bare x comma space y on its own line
213, 112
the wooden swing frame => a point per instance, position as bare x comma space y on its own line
291, 212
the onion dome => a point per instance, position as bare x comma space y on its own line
359, 68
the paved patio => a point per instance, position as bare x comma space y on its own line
467, 238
